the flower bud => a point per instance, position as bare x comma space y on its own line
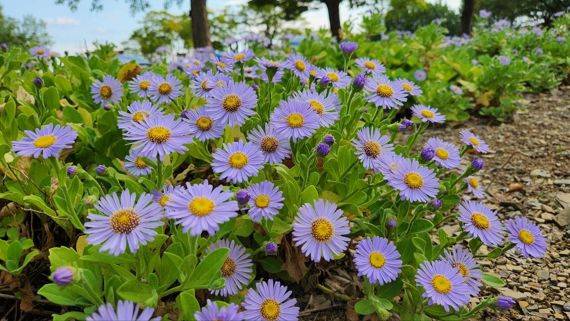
63, 276
323, 149
71, 170
478, 164
185, 114
428, 153
391, 223
505, 302
242, 197
101, 170
405, 124
436, 203
348, 47
359, 81
38, 82
324, 81
271, 248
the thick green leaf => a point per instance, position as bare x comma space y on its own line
187, 304
139, 292
364, 307
208, 270
492, 280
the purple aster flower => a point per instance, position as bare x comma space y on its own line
274, 147
539, 51
63, 276
238, 57
348, 47
137, 112
470, 139
388, 164
140, 85
477, 164
428, 114
270, 301
416, 183
409, 87
221, 65
124, 220
326, 107
560, 39
484, 13
106, 92
527, 237
504, 60
298, 65
359, 81
329, 140
71, 170
385, 93
204, 83
201, 207
370, 144
505, 302
126, 310
324, 81
443, 285
405, 125
232, 104
461, 259
136, 165
294, 119
238, 161
456, 89
202, 125
242, 196
420, 75
339, 79
370, 66
156, 137
320, 229
271, 248
46, 141
265, 202
38, 82
474, 187
39, 51
213, 312
101, 169
436, 203
482, 222
271, 70
446, 154
236, 269
378, 260
165, 90
428, 153
323, 149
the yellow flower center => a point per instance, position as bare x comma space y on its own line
299, 65
407, 87
139, 163
370, 65
204, 123
270, 309
231, 103
40, 51
312, 73
427, 113
317, 106
262, 201
413, 180
526, 237
220, 83
195, 72
106, 92
480, 221
201, 206
204, 85
295, 120
333, 76
229, 268
372, 149
473, 182
441, 284
221, 64
238, 160
269, 144
143, 85
164, 88
463, 270
377, 260
163, 200
158, 134
140, 115
474, 141
239, 56
441, 153
385, 91
45, 141
322, 229
124, 221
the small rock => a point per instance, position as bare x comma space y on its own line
544, 311
563, 218
540, 173
562, 285
543, 274
563, 199
523, 304
566, 307
513, 294
562, 181
515, 268
547, 217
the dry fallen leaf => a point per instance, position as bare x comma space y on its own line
513, 187
294, 260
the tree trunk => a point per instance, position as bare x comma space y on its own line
199, 21
334, 16
467, 16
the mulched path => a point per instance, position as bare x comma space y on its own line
526, 173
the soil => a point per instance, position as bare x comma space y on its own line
526, 173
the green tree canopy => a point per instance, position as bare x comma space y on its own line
27, 32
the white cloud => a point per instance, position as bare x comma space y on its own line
62, 21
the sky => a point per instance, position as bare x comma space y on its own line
74, 31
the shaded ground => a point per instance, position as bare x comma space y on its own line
527, 173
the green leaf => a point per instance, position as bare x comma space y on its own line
208, 270
51, 98
187, 304
492, 280
169, 269
421, 225
62, 83
364, 307
74, 315
139, 292
62, 295
39, 203
309, 194
71, 115
243, 226
271, 264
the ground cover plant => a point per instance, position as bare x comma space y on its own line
210, 187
